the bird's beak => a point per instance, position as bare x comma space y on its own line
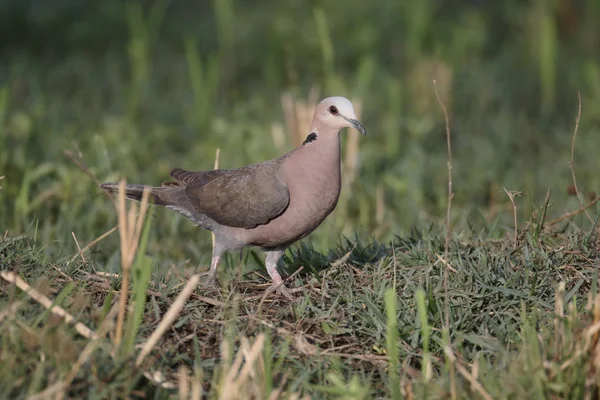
357, 125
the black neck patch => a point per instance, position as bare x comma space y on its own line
310, 138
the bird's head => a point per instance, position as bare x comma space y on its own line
334, 114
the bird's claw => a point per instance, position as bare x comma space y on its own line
281, 289
210, 281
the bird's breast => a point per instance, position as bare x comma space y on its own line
314, 186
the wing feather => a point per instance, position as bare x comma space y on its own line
241, 198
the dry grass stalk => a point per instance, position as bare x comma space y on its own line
108, 274
89, 348
407, 390
81, 165
196, 385
448, 231
571, 214
209, 300
592, 381
512, 195
10, 310
596, 317
244, 378
169, 318
474, 373
130, 229
183, 376
572, 161
276, 392
559, 312
443, 261
589, 345
298, 115
450, 197
83, 330
50, 392
475, 384
78, 247
94, 242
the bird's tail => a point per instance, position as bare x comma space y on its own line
161, 196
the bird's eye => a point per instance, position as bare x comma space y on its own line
333, 110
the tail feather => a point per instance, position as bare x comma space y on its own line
161, 196
171, 196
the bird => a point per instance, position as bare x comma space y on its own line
269, 205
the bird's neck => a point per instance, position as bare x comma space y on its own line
324, 147
319, 159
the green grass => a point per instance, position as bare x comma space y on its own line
506, 317
130, 90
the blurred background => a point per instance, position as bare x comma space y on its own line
132, 89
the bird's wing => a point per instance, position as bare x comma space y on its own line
183, 178
240, 198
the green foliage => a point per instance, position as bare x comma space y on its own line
348, 335
142, 272
168, 93
392, 343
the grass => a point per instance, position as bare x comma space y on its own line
400, 295
524, 324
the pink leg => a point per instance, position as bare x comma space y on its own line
212, 272
271, 264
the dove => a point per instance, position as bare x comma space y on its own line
269, 205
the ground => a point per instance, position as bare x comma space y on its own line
523, 323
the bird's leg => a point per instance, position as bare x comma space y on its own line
214, 263
271, 264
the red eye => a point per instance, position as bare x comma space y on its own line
333, 110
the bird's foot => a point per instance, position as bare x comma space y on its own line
210, 281
281, 289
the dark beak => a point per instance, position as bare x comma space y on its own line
357, 125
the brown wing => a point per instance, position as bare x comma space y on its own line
184, 178
241, 198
